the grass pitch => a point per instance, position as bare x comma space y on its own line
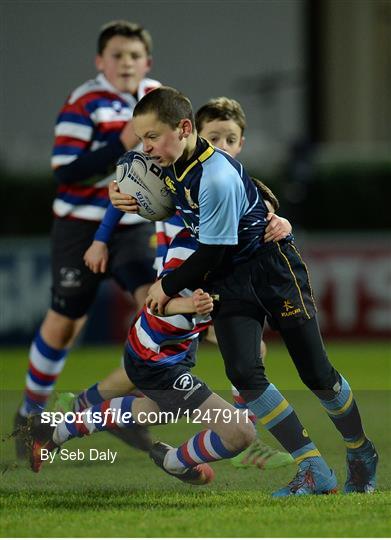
132, 498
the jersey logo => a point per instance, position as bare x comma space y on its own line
190, 201
184, 382
170, 184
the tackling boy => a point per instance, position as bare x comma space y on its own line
225, 212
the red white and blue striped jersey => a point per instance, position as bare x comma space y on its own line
166, 340
93, 116
165, 233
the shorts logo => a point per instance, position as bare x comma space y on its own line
289, 309
184, 382
70, 277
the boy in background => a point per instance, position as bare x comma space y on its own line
94, 128
222, 121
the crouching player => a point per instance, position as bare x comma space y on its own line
158, 359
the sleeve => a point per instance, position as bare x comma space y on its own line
193, 272
91, 163
222, 201
72, 159
108, 224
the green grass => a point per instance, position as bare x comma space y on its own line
132, 498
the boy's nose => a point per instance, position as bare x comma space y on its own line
147, 148
224, 146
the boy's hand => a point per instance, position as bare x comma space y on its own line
203, 302
122, 201
96, 257
277, 229
157, 299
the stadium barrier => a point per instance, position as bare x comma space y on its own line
350, 277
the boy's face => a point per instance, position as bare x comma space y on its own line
224, 134
160, 140
124, 62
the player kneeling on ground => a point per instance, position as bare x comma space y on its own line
159, 355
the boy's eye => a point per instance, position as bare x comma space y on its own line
214, 139
231, 141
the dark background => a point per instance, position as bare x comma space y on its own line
312, 77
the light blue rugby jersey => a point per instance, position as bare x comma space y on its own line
218, 201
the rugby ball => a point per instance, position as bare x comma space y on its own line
142, 177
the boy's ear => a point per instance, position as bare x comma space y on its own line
241, 143
186, 127
99, 62
149, 64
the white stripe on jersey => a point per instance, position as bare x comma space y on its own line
181, 253
59, 160
101, 84
91, 213
97, 144
178, 321
108, 114
74, 130
145, 339
168, 229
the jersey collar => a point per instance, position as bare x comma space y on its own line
203, 152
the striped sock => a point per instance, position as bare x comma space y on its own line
88, 398
92, 396
204, 447
343, 411
278, 417
45, 366
96, 418
239, 403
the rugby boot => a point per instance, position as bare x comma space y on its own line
361, 469
39, 439
312, 478
19, 432
199, 475
64, 402
261, 456
138, 437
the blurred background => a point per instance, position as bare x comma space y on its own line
314, 79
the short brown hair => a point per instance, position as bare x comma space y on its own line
169, 105
267, 193
221, 108
124, 28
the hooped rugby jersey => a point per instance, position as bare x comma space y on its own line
165, 232
218, 201
94, 115
166, 340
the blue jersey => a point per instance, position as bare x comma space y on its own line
218, 201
